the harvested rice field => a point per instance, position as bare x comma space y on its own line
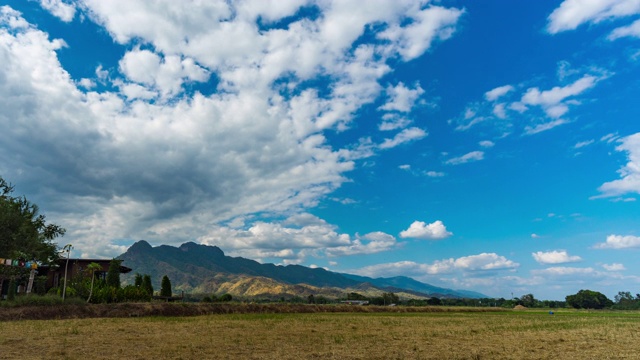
376, 335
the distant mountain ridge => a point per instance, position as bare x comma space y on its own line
206, 269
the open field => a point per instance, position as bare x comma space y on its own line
400, 335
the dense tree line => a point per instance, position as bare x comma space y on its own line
25, 234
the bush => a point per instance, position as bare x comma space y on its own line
40, 285
132, 293
39, 300
13, 288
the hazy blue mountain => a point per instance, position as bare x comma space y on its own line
407, 283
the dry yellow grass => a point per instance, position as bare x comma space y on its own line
509, 335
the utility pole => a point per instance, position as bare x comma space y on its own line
66, 248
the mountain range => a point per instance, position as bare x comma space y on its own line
196, 268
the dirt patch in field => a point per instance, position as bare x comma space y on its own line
194, 309
519, 307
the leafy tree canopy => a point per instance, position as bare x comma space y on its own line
588, 299
24, 232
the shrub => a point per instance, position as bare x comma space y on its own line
13, 287
38, 300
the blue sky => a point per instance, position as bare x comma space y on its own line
482, 145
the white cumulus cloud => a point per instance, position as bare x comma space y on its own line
619, 242
402, 98
466, 265
421, 230
554, 257
65, 11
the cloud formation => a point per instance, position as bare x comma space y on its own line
629, 181
421, 230
538, 110
468, 157
619, 242
464, 265
554, 257
147, 155
573, 13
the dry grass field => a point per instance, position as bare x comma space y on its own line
437, 335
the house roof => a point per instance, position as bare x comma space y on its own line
102, 262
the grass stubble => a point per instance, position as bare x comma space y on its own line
451, 335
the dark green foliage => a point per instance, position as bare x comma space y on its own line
226, 298
390, 298
206, 299
355, 296
528, 300
434, 301
137, 281
38, 300
311, 299
588, 299
146, 284
113, 274
624, 300
39, 286
24, 232
165, 287
129, 293
13, 288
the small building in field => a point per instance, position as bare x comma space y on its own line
76, 266
54, 273
355, 302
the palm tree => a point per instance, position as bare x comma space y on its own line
93, 267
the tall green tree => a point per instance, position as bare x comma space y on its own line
390, 298
146, 284
113, 274
93, 267
528, 300
165, 287
24, 231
